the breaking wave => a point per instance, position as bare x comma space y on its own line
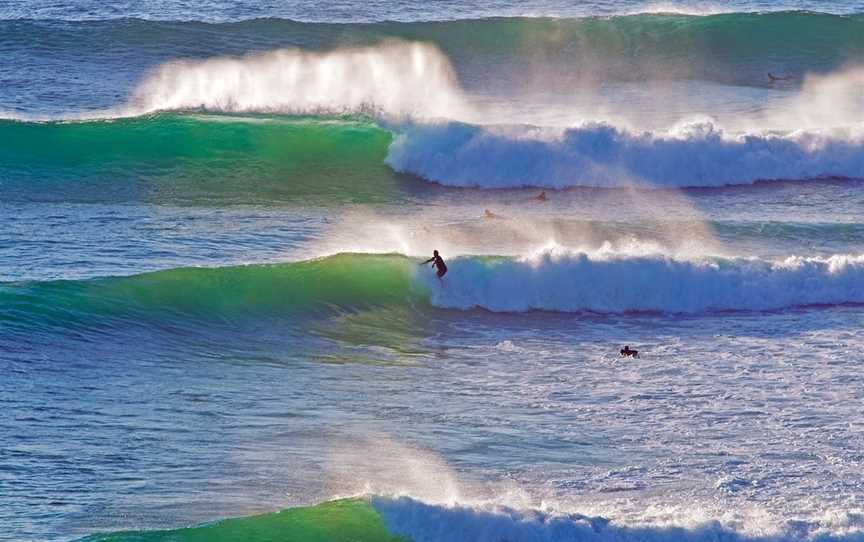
602, 155
389, 519
555, 280
177, 157
551, 280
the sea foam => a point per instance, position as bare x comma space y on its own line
425, 522
603, 155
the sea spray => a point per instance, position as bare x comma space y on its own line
394, 77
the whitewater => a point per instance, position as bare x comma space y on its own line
215, 323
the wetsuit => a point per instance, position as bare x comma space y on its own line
438, 262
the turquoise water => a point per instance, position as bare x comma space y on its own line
214, 324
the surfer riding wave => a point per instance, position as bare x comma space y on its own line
439, 264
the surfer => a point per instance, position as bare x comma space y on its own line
489, 214
439, 264
541, 196
773, 78
626, 352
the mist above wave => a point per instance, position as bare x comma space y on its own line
392, 78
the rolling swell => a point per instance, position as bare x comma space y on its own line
195, 158
734, 48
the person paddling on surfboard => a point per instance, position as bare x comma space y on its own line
628, 352
439, 264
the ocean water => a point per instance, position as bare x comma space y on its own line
214, 324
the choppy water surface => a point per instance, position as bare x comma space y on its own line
213, 324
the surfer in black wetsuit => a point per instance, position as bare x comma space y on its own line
774, 78
439, 264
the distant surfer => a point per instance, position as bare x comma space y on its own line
627, 352
774, 78
439, 264
489, 214
541, 196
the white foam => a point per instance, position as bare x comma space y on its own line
559, 280
679, 8
422, 522
394, 77
601, 155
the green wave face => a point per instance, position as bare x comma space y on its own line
732, 48
342, 284
727, 47
732, 36
348, 520
196, 159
